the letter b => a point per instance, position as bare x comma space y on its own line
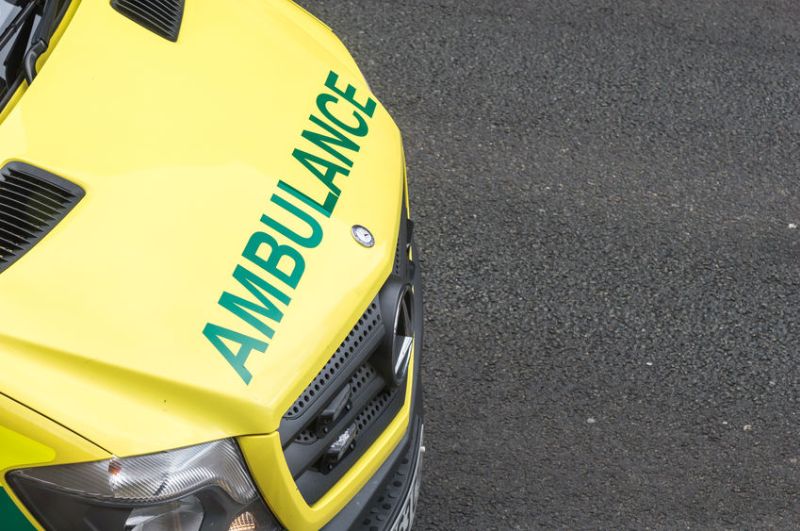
278, 254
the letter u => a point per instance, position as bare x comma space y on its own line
310, 241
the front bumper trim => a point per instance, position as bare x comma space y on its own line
388, 502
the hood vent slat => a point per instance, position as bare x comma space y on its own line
32, 202
162, 17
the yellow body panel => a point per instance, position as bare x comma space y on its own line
180, 147
29, 439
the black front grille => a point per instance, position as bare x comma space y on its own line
354, 397
32, 202
366, 325
372, 403
373, 410
162, 17
363, 376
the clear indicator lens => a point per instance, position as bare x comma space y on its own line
244, 522
182, 515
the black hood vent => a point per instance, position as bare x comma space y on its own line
32, 202
162, 17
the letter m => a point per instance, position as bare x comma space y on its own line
254, 312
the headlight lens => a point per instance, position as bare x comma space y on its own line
191, 489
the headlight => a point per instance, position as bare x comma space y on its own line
191, 489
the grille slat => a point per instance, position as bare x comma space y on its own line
162, 17
8, 244
162, 13
12, 237
20, 224
9, 205
40, 187
32, 202
144, 13
41, 199
15, 231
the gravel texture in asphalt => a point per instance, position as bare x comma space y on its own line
608, 210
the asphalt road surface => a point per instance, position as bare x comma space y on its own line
608, 204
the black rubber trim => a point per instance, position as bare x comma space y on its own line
14, 85
385, 507
404, 239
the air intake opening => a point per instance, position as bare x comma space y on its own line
162, 17
32, 202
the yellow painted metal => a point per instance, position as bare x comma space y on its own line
179, 147
29, 439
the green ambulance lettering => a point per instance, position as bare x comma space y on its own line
330, 143
265, 307
310, 241
284, 264
217, 334
278, 254
360, 129
321, 168
349, 94
325, 208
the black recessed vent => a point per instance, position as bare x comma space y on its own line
32, 202
368, 322
162, 17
